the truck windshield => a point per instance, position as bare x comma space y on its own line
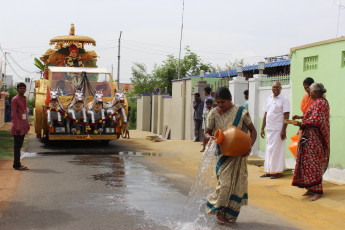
68, 82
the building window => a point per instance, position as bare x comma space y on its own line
27, 79
310, 63
343, 59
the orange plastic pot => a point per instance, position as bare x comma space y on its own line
294, 144
233, 141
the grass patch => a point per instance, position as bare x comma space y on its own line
6, 145
31, 119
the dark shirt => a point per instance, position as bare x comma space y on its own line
7, 111
198, 111
75, 62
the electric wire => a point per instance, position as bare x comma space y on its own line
20, 66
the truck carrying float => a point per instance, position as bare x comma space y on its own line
76, 100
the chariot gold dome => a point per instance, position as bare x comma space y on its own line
72, 39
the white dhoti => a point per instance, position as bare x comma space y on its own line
275, 152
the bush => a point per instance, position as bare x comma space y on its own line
31, 105
13, 92
132, 102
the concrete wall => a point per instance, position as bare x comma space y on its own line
168, 120
178, 111
160, 116
154, 113
144, 112
139, 113
330, 71
237, 86
189, 111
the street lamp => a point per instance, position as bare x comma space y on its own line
239, 71
261, 67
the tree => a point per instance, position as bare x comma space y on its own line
162, 75
31, 105
143, 82
190, 65
233, 64
13, 92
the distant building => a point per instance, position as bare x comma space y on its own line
7, 81
126, 87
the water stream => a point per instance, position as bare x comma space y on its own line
203, 186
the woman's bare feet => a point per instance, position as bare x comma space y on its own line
315, 197
221, 219
308, 193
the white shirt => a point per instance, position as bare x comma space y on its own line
275, 107
206, 98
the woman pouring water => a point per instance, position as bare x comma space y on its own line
232, 175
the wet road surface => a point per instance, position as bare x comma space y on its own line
100, 189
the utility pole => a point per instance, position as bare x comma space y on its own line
179, 54
118, 63
5, 64
112, 69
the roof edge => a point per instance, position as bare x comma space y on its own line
316, 44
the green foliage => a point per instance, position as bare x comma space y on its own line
39, 64
13, 92
162, 75
31, 105
143, 81
132, 102
6, 145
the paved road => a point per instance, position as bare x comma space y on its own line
86, 187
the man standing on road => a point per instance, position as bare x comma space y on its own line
20, 124
277, 108
198, 106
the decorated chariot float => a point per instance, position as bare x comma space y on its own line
75, 99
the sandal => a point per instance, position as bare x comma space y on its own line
21, 168
266, 175
221, 219
276, 176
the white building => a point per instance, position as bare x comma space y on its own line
7, 81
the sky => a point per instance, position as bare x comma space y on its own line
219, 31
